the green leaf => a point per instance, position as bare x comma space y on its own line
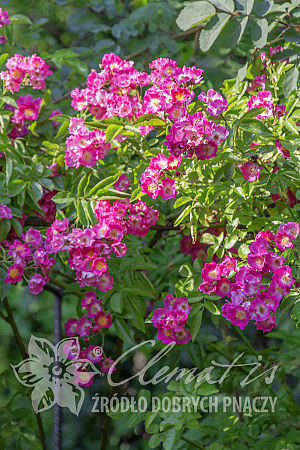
206, 389
116, 302
209, 239
255, 127
82, 184
259, 32
194, 13
8, 169
291, 81
256, 224
20, 18
296, 311
291, 126
10, 101
184, 213
195, 320
63, 129
16, 226
149, 419
245, 6
155, 440
105, 183
261, 8
252, 113
223, 5
35, 191
123, 331
149, 119
4, 228
181, 201
82, 216
3, 58
243, 251
112, 131
212, 31
171, 438
211, 307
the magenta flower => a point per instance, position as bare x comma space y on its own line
33, 237
36, 284
267, 324
250, 171
122, 183
210, 272
216, 103
284, 151
5, 212
14, 274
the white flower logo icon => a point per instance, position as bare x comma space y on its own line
54, 377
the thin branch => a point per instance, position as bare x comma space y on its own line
19, 341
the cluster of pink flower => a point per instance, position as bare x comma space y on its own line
89, 249
152, 181
27, 70
216, 104
114, 91
4, 20
27, 110
84, 147
265, 99
93, 319
170, 321
247, 281
195, 134
30, 253
266, 57
258, 82
5, 212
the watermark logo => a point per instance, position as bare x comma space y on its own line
55, 374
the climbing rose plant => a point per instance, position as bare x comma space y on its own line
146, 159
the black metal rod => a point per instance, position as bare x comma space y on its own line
57, 413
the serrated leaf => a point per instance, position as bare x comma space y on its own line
63, 129
245, 6
4, 228
181, 201
252, 113
184, 213
3, 58
105, 183
195, 321
193, 14
149, 119
20, 18
223, 5
15, 187
122, 330
16, 226
255, 127
112, 131
259, 32
10, 101
212, 30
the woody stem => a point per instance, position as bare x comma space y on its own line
10, 319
